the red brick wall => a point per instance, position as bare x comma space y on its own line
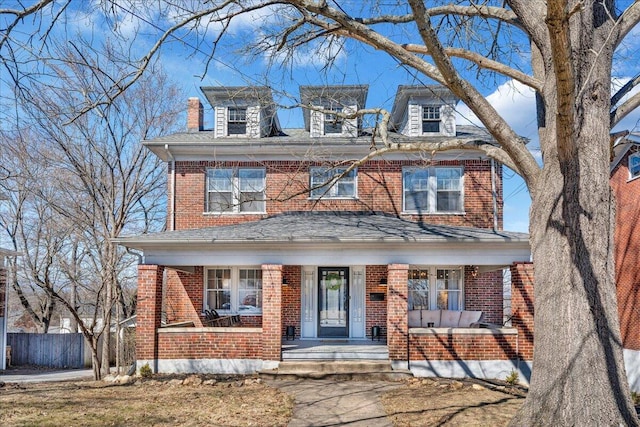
183, 296
463, 347
627, 253
149, 308
222, 345
379, 189
271, 312
291, 298
397, 327
376, 310
484, 292
522, 298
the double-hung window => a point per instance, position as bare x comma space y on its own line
634, 165
449, 288
234, 290
236, 190
321, 179
332, 122
447, 294
237, 121
433, 190
430, 119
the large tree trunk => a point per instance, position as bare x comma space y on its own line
578, 374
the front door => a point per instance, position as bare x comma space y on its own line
333, 302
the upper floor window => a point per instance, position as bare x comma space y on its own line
634, 165
333, 123
237, 121
432, 190
344, 187
236, 190
235, 289
430, 119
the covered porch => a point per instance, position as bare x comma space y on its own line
365, 264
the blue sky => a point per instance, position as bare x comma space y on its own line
355, 64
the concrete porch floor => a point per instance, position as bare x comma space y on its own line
334, 349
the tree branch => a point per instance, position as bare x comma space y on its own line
521, 158
623, 110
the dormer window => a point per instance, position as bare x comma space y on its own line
634, 165
430, 119
237, 123
424, 111
241, 112
332, 122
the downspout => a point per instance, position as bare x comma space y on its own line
494, 195
172, 184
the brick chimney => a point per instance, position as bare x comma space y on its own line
194, 115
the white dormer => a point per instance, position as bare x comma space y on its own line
242, 112
324, 105
424, 111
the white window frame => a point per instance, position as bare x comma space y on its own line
232, 118
328, 118
634, 165
430, 114
236, 191
431, 275
236, 304
431, 190
332, 192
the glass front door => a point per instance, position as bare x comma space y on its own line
333, 302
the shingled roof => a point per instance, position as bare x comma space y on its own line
329, 227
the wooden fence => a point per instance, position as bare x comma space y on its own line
52, 350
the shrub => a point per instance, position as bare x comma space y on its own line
145, 371
512, 378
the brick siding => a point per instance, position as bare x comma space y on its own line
149, 308
459, 346
291, 297
376, 311
484, 292
627, 253
200, 345
397, 322
379, 189
522, 299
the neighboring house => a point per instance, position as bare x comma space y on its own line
625, 182
4, 253
269, 224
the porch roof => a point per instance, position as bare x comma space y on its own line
329, 227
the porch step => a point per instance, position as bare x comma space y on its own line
337, 370
323, 350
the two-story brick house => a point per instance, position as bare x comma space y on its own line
276, 226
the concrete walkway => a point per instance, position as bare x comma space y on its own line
35, 375
336, 403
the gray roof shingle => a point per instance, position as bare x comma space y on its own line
336, 227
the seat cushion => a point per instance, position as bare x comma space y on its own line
431, 316
468, 318
414, 318
449, 318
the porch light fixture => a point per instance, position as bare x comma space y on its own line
474, 271
383, 281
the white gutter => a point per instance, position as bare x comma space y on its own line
172, 202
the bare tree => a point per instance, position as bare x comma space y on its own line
570, 45
90, 179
